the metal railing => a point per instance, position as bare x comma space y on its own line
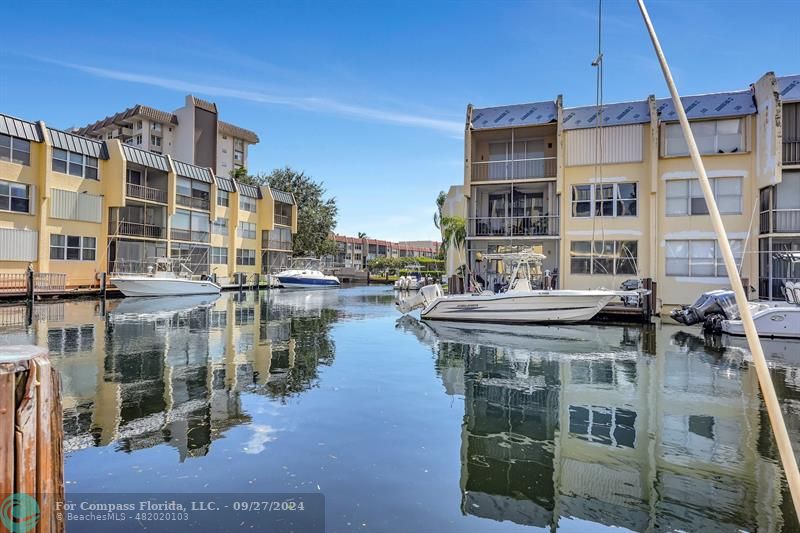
192, 201
791, 152
779, 221
270, 244
514, 169
136, 229
146, 193
525, 226
283, 220
49, 282
188, 235
13, 283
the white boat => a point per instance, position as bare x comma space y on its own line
163, 281
305, 273
772, 319
519, 303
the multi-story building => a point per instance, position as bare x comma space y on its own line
192, 133
74, 205
612, 194
356, 252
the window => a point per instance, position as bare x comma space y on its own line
223, 198
603, 257
238, 157
190, 226
220, 226
138, 124
610, 200
245, 257
711, 136
698, 258
156, 126
155, 141
15, 150
192, 193
74, 164
238, 144
685, 197
283, 214
247, 204
219, 256
73, 248
138, 139
247, 230
14, 197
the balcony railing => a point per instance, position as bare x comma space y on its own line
147, 193
189, 235
785, 220
525, 226
791, 152
273, 244
136, 229
192, 201
517, 169
283, 220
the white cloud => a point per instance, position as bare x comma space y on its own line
306, 103
262, 435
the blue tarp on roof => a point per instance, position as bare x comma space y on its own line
789, 88
514, 115
732, 104
613, 115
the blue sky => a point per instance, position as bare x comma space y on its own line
370, 97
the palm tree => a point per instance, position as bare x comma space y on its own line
454, 234
437, 216
362, 235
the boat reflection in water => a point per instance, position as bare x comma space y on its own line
170, 370
641, 428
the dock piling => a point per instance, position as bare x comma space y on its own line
31, 433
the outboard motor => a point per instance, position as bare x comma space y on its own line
420, 300
630, 285
710, 309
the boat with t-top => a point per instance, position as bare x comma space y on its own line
166, 277
522, 300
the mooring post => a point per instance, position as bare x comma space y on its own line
31, 435
103, 285
29, 284
256, 282
241, 281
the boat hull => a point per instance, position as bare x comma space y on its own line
778, 321
520, 308
300, 282
151, 286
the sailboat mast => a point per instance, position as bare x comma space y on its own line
762, 371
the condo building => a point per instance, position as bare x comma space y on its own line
79, 206
356, 252
192, 133
611, 194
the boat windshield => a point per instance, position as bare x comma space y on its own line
305, 263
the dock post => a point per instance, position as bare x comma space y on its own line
103, 285
257, 282
29, 284
31, 436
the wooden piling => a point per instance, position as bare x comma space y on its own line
31, 432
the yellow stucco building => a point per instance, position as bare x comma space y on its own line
612, 195
78, 206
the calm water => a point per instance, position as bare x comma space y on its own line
413, 427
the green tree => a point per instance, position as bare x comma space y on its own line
316, 215
362, 235
454, 237
240, 174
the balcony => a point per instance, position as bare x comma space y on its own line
192, 201
791, 152
188, 235
136, 229
516, 169
146, 193
272, 244
524, 226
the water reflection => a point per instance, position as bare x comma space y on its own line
142, 372
639, 428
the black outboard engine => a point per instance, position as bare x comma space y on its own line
710, 309
630, 285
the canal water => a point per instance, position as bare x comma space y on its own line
409, 426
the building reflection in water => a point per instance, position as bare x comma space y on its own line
640, 428
144, 372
